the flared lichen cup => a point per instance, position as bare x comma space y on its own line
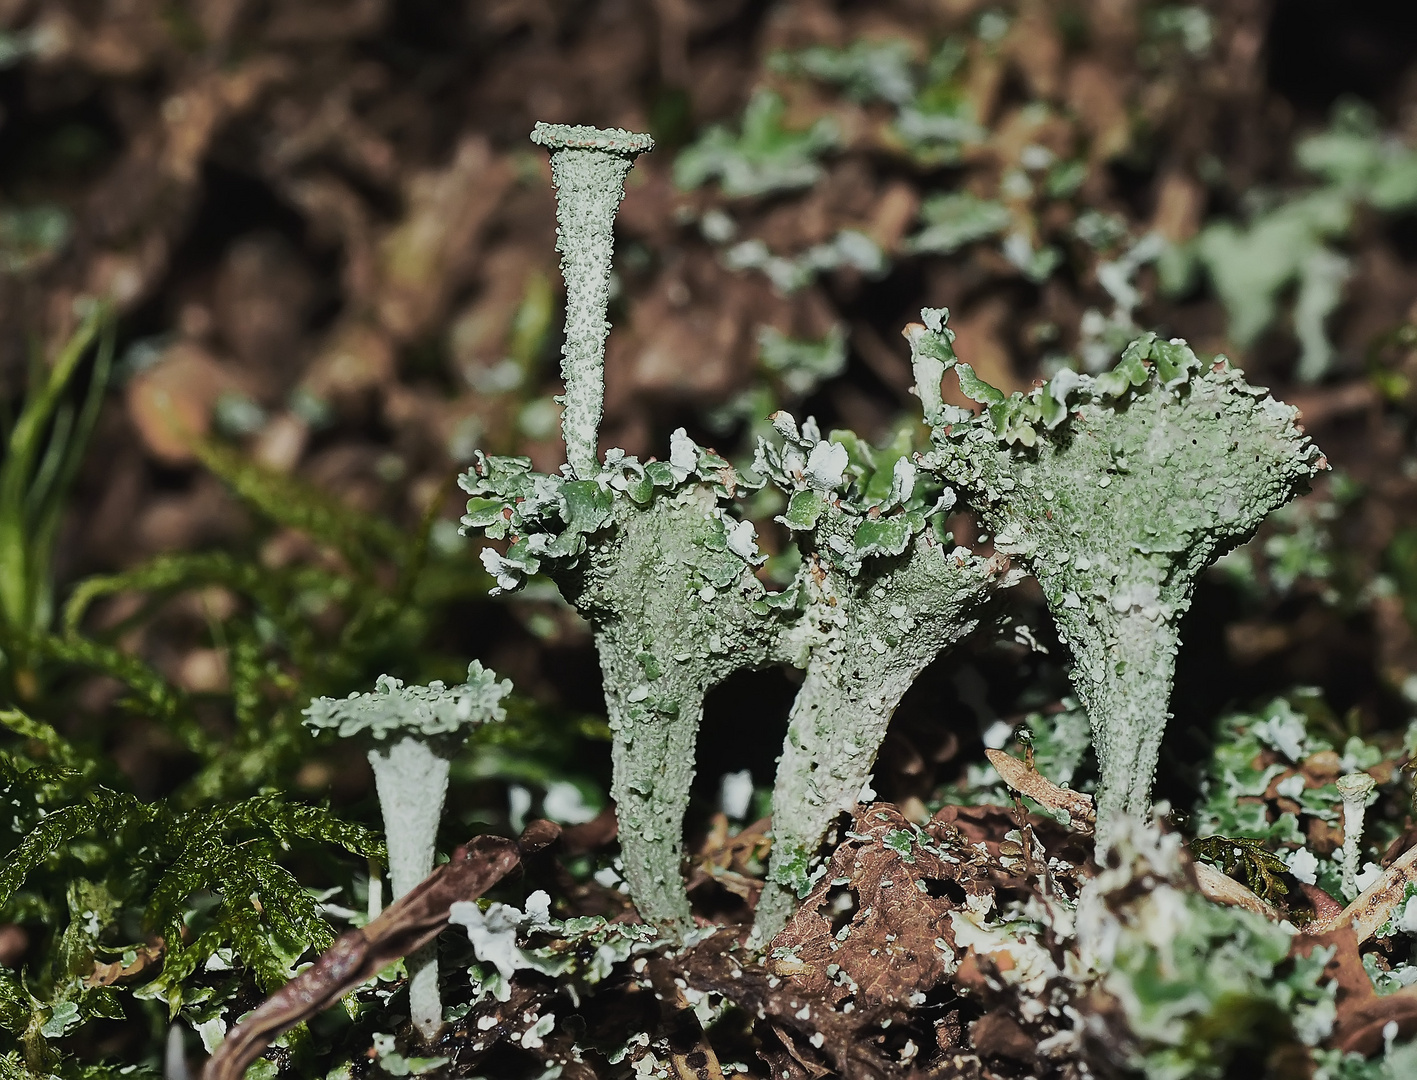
1116, 492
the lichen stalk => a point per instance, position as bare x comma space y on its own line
415, 731
1131, 687
412, 782
588, 167
875, 633
1355, 789
664, 638
1117, 492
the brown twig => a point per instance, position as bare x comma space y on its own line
1040, 789
1213, 885
1375, 905
411, 922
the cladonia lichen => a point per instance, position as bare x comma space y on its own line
1116, 492
588, 166
415, 731
1355, 789
883, 594
649, 553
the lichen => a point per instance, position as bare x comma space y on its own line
1069, 477
651, 557
1116, 492
432, 712
883, 595
588, 166
415, 731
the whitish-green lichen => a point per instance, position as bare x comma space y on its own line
649, 553
415, 730
588, 166
432, 712
650, 556
883, 594
1355, 789
1117, 492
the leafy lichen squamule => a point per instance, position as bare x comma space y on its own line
1117, 492
588, 167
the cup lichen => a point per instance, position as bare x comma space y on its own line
588, 167
1354, 789
882, 594
415, 732
1116, 492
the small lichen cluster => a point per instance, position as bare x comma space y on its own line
414, 732
1114, 491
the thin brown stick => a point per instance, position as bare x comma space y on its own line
405, 926
1213, 885
1031, 782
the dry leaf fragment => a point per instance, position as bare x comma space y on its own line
171, 402
904, 887
998, 1034
1363, 1015
1223, 889
111, 973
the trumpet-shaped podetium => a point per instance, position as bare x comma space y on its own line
883, 593
415, 731
1116, 492
648, 553
588, 167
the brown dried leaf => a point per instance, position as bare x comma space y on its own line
355, 359
1096, 95
1363, 1014
816, 1032
998, 1034
171, 402
14, 942
148, 956
724, 859
899, 874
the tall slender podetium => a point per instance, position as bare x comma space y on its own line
588, 167
648, 553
